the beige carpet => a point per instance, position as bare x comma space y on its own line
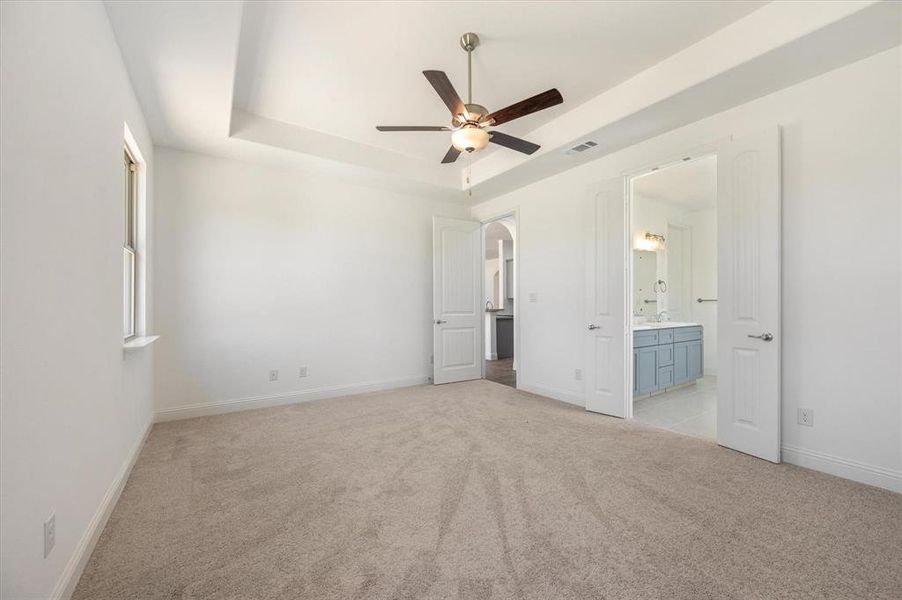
477, 490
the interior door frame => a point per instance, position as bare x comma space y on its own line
666, 160
483, 223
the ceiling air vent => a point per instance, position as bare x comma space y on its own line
581, 147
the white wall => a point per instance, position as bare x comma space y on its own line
841, 261
704, 279
507, 253
492, 280
74, 408
262, 268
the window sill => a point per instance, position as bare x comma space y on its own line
139, 342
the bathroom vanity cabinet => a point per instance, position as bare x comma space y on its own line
666, 356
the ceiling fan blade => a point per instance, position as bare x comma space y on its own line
525, 107
451, 155
446, 91
410, 128
514, 143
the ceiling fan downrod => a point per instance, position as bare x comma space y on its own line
468, 42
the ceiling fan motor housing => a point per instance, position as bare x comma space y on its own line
475, 113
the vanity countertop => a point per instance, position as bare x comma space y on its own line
663, 325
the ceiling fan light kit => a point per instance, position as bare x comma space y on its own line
469, 122
470, 138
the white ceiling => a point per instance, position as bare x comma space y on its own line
690, 185
305, 83
341, 68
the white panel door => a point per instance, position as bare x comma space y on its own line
457, 310
606, 325
748, 271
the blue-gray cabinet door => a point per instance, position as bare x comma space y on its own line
635, 373
680, 362
687, 361
646, 366
695, 363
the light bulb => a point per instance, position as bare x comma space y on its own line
469, 138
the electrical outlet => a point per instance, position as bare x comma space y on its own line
302, 371
806, 417
578, 374
274, 375
49, 534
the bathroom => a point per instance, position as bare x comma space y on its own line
674, 297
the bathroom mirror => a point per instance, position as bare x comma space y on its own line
645, 274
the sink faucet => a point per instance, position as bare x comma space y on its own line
489, 305
662, 316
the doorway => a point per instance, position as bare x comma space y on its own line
499, 237
673, 326
656, 357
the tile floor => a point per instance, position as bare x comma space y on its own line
691, 410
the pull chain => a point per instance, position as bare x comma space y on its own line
469, 172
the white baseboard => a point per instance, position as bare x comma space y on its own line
553, 393
491, 356
219, 407
65, 585
842, 467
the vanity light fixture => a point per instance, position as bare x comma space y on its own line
651, 242
655, 241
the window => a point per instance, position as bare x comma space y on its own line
130, 245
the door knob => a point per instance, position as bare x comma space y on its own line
764, 336
594, 326
439, 321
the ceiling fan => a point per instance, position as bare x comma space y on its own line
469, 121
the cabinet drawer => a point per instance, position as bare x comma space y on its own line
665, 355
665, 336
687, 334
641, 339
665, 377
